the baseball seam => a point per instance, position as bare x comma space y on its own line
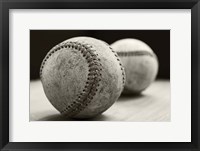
121, 66
93, 79
135, 53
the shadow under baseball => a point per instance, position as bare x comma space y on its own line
131, 96
59, 117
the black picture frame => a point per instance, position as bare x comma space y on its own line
5, 5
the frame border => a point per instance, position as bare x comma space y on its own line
5, 5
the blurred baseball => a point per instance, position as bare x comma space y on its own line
140, 63
82, 77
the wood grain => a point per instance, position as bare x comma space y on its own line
153, 105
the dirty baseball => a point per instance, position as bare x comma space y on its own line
82, 77
140, 63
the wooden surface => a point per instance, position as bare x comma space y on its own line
153, 105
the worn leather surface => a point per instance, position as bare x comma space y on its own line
140, 63
65, 74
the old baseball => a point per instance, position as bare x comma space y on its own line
82, 77
140, 63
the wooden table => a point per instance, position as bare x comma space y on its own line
153, 105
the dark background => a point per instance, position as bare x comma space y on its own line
41, 41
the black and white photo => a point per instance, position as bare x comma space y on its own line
100, 75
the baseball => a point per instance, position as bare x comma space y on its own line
140, 63
82, 77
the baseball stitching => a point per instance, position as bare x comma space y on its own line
121, 66
93, 79
135, 53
